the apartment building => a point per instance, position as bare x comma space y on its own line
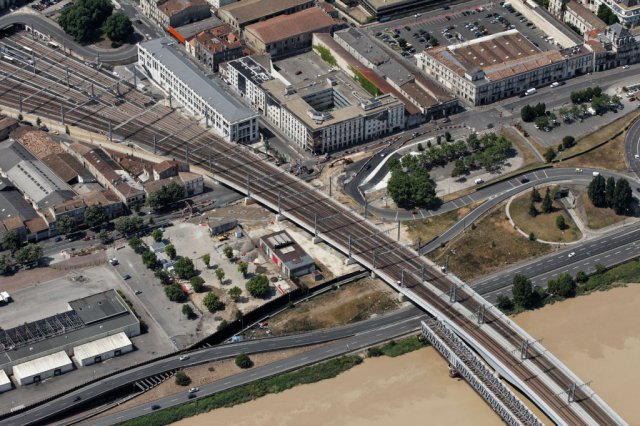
174, 13
215, 46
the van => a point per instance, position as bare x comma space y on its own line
596, 173
530, 91
479, 181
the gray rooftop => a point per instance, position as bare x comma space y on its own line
189, 30
363, 44
11, 153
164, 49
98, 307
13, 204
395, 72
251, 70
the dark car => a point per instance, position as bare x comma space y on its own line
191, 395
524, 180
126, 277
155, 407
77, 398
138, 21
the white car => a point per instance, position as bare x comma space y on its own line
193, 390
637, 157
184, 357
626, 67
573, 253
555, 84
578, 170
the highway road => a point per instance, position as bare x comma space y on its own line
344, 346
632, 148
381, 328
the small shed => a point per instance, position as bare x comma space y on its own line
102, 349
290, 258
158, 247
218, 225
5, 383
42, 368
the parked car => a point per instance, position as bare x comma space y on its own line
126, 277
155, 407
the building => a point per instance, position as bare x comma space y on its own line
390, 7
102, 349
615, 46
219, 3
319, 113
6, 3
581, 18
192, 183
7, 124
200, 95
627, 11
168, 168
219, 225
174, 13
215, 46
81, 321
39, 369
75, 209
290, 258
498, 66
109, 173
246, 12
287, 35
5, 382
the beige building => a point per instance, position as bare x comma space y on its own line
287, 35
581, 18
192, 183
215, 46
174, 13
499, 66
246, 12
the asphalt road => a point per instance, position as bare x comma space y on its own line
384, 324
340, 347
632, 148
124, 55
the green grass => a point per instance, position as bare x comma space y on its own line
250, 391
366, 84
394, 349
326, 55
625, 273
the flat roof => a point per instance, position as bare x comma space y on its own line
252, 10
287, 250
362, 43
164, 50
189, 30
13, 204
4, 379
287, 26
98, 307
101, 346
171, 7
41, 365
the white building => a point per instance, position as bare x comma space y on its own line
627, 11
42, 368
102, 349
320, 114
5, 382
487, 69
201, 96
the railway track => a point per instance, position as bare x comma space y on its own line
239, 167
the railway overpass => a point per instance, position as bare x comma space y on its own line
508, 349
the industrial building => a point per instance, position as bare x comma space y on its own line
389, 7
42, 368
102, 349
246, 12
498, 66
290, 258
319, 113
288, 35
200, 95
85, 320
174, 13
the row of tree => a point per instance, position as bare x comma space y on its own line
610, 193
529, 113
83, 17
586, 95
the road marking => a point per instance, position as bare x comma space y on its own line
328, 350
174, 399
302, 359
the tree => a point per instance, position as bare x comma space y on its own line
402, 43
150, 259
228, 252
30, 253
459, 168
165, 196
623, 196
84, 16
563, 285
94, 216
181, 377
212, 303
535, 195
163, 276
170, 251
447, 136
581, 277
504, 303
187, 310
547, 202
20, 117
258, 286
174, 292
184, 268
243, 268
118, 27
235, 292
533, 212
522, 291
222, 325
597, 191
66, 130
532, 236
135, 243
606, 14
157, 235
561, 223
206, 258
568, 141
104, 236
38, 122
197, 283
549, 155
610, 191
11, 240
128, 225
220, 274
66, 225
243, 361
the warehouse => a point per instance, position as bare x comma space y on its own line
292, 260
102, 349
39, 369
5, 383
200, 95
242, 13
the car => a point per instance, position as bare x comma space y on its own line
191, 395
126, 277
138, 291
58, 239
77, 398
596, 174
578, 170
184, 357
524, 180
637, 157
626, 67
155, 407
555, 84
573, 253
193, 390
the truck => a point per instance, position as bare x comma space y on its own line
530, 91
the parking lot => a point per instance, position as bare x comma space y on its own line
456, 25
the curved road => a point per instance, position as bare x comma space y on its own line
123, 55
632, 148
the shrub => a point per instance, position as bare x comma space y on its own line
212, 302
243, 361
197, 283
174, 292
182, 379
258, 286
